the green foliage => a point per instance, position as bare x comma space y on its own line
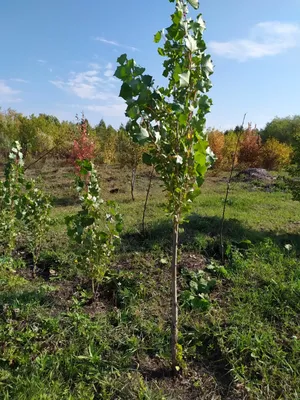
294, 182
35, 208
95, 229
282, 129
129, 152
198, 286
10, 192
23, 208
171, 119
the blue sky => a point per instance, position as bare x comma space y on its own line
58, 56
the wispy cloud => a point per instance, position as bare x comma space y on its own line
95, 66
7, 94
88, 85
96, 89
264, 39
109, 70
40, 61
19, 80
114, 43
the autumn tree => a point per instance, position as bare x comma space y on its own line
216, 140
275, 155
249, 148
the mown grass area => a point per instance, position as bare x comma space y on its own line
243, 342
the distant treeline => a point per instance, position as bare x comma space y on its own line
44, 134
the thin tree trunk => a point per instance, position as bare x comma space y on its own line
227, 191
40, 158
174, 328
133, 176
146, 201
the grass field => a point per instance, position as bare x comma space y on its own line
57, 342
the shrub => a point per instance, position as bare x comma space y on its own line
275, 155
35, 210
249, 148
83, 147
10, 190
216, 140
95, 229
229, 150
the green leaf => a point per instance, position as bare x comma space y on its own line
208, 65
142, 135
147, 80
122, 72
126, 91
191, 43
194, 3
194, 286
133, 112
121, 60
138, 71
201, 23
184, 79
157, 37
201, 304
147, 159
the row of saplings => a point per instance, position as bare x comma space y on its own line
25, 215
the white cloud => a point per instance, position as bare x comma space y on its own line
42, 61
95, 66
7, 94
98, 85
89, 85
265, 39
116, 44
19, 80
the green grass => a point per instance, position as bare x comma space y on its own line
58, 343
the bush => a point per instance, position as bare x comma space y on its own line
249, 148
216, 140
229, 150
275, 155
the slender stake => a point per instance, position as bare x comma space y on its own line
228, 189
42, 156
146, 200
174, 327
133, 176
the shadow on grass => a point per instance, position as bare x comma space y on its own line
25, 298
65, 201
200, 230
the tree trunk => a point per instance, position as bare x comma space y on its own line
146, 201
174, 328
133, 175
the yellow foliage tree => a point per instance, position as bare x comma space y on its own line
276, 155
229, 150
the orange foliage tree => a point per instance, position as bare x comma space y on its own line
83, 146
249, 148
216, 140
